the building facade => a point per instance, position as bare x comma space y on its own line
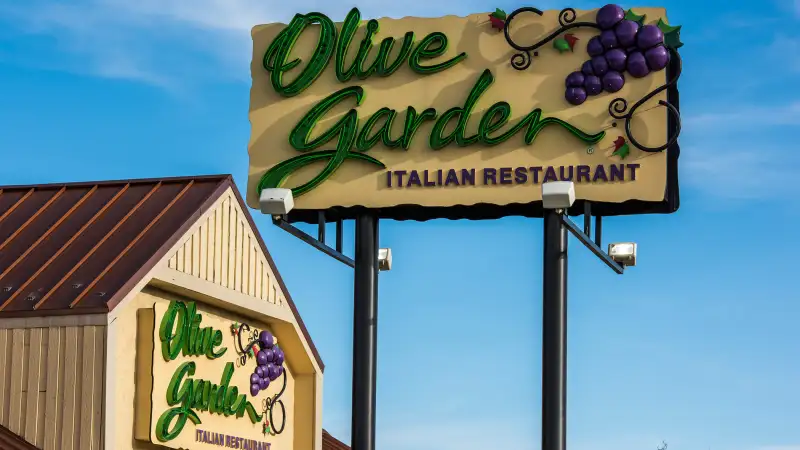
144, 314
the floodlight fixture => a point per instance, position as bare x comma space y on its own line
623, 253
276, 201
385, 259
558, 194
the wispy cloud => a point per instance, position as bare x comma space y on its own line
179, 43
725, 23
784, 52
736, 116
738, 146
176, 42
740, 173
162, 43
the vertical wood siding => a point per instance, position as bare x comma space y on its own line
51, 385
225, 251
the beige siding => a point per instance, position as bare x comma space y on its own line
51, 385
224, 250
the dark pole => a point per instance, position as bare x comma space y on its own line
554, 334
365, 332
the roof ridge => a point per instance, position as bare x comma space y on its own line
39, 197
16, 441
292, 306
188, 223
213, 184
77, 184
170, 242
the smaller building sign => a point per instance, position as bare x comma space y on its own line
204, 379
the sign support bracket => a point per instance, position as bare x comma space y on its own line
365, 314
318, 243
554, 317
593, 246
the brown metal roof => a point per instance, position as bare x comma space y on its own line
79, 248
11, 441
331, 443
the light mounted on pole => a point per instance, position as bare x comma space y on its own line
368, 261
276, 202
385, 259
557, 198
558, 195
623, 253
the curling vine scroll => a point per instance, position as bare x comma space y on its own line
626, 46
261, 347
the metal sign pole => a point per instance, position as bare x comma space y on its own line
554, 333
365, 332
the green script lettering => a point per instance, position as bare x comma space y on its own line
351, 138
432, 46
379, 65
353, 142
180, 333
276, 58
187, 396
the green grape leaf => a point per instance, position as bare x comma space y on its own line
672, 35
623, 151
499, 14
561, 45
630, 15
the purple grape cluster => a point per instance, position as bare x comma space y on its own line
622, 46
270, 360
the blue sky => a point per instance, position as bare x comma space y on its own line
699, 345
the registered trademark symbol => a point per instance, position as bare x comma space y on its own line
590, 150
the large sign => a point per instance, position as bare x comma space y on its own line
203, 380
466, 116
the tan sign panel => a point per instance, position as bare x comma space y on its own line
431, 112
195, 388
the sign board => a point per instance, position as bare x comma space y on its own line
203, 381
466, 117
